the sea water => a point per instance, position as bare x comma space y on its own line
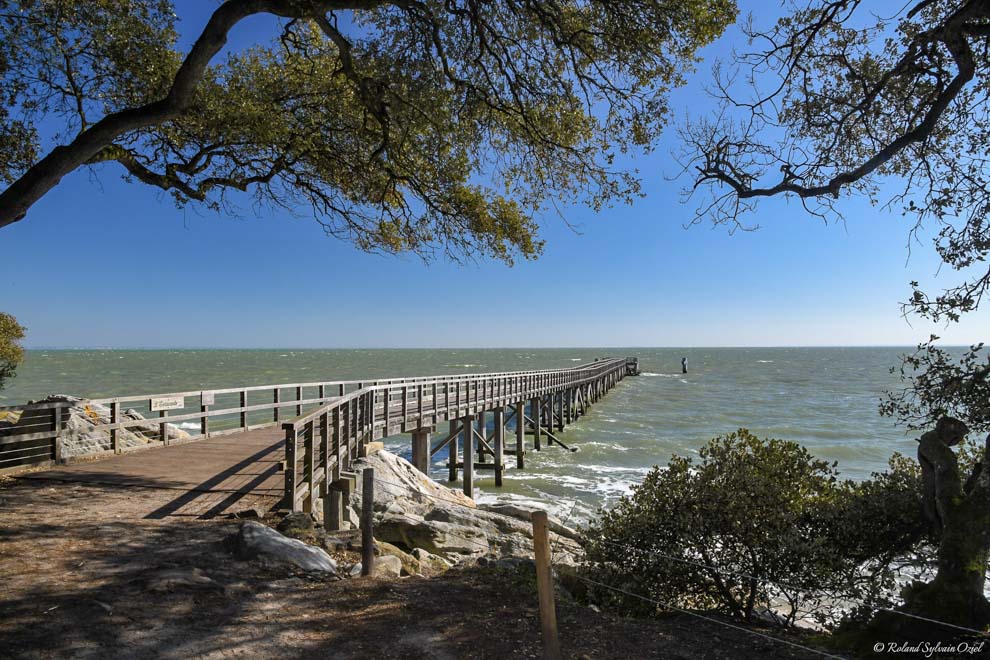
825, 398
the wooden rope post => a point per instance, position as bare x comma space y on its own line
544, 586
367, 520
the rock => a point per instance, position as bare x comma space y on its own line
298, 525
170, 579
438, 537
385, 566
255, 540
569, 580
523, 514
251, 513
413, 512
410, 565
396, 478
433, 564
334, 543
351, 518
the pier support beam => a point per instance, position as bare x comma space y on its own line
482, 427
534, 413
467, 434
338, 496
452, 452
520, 434
499, 416
421, 450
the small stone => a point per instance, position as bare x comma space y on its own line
170, 579
252, 513
385, 566
334, 543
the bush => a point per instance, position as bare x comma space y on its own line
756, 526
11, 353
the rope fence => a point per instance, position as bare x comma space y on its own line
394, 488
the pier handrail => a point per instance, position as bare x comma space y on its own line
215, 411
320, 445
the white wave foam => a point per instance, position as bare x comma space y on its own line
765, 361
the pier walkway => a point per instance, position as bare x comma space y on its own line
244, 449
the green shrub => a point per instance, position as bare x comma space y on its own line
11, 353
754, 526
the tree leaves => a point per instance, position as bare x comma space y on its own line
431, 127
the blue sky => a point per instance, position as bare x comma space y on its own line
99, 262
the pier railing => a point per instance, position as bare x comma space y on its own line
321, 445
34, 434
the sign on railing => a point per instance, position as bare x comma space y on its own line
167, 403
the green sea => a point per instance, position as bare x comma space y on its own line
825, 398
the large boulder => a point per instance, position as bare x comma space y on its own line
413, 512
256, 541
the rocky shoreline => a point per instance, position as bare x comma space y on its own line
420, 528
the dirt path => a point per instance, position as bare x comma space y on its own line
85, 573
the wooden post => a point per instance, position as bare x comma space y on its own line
560, 410
309, 465
333, 510
298, 398
114, 432
275, 400
367, 519
290, 468
244, 419
421, 450
452, 453
520, 434
534, 412
163, 426
386, 400
204, 421
57, 430
499, 416
482, 432
544, 586
468, 456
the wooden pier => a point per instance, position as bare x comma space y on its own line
320, 445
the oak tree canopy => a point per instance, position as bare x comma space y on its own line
401, 125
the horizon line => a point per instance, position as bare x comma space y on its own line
459, 348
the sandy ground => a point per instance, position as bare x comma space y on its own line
85, 572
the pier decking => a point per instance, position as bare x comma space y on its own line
307, 459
